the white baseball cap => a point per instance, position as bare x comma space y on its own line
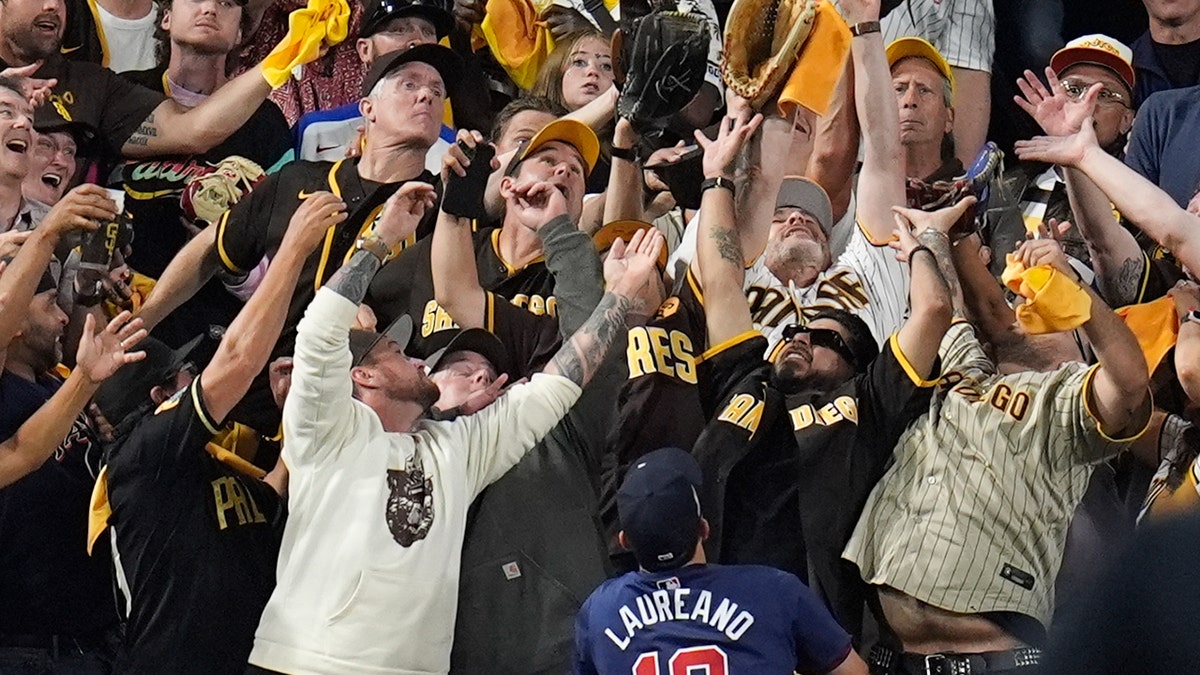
1097, 49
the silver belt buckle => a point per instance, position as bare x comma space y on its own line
935, 664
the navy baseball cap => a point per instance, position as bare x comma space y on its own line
659, 508
363, 341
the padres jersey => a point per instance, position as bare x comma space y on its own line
972, 516
195, 544
707, 619
405, 286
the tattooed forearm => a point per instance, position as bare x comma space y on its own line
939, 243
1120, 287
728, 245
580, 357
145, 131
352, 280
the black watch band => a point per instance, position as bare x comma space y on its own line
718, 182
627, 154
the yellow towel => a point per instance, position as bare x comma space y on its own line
98, 509
322, 22
1155, 324
820, 64
517, 39
1053, 301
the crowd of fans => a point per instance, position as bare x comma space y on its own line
369, 337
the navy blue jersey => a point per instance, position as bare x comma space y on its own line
719, 620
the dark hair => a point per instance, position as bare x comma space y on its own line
520, 105
162, 37
860, 341
12, 85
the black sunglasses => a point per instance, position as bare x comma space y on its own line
822, 337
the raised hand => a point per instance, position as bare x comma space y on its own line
541, 201
1034, 252
630, 268
83, 208
486, 396
455, 160
279, 375
102, 354
1062, 150
1186, 295
317, 213
1056, 112
942, 220
403, 211
10, 243
562, 22
858, 11
37, 90
721, 154
905, 241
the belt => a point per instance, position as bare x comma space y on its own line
890, 661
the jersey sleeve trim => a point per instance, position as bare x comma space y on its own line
489, 313
1085, 392
694, 283
727, 344
202, 412
838, 664
1145, 282
226, 261
867, 235
913, 375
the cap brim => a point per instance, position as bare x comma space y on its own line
806, 195
475, 340
1070, 56
46, 121
574, 133
907, 47
443, 22
624, 229
442, 59
400, 332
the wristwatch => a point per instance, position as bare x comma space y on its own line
864, 28
375, 246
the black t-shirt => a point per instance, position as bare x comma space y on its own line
48, 583
1182, 62
81, 36
198, 543
405, 286
255, 226
93, 95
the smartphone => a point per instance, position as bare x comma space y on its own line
463, 195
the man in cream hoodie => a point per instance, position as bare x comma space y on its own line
368, 571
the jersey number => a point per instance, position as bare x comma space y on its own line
707, 660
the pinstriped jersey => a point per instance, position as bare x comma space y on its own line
972, 516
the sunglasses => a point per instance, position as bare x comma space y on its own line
822, 337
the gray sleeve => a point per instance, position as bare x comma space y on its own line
578, 280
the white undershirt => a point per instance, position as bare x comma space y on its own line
130, 41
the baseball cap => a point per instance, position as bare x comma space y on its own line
363, 341
379, 12
920, 47
48, 118
624, 229
1099, 50
45, 283
443, 59
804, 194
128, 388
475, 340
572, 132
659, 508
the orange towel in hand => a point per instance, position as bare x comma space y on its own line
517, 38
321, 23
1155, 324
1053, 301
820, 64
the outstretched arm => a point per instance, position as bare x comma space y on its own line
1187, 348
1136, 198
881, 180
100, 355
187, 272
718, 248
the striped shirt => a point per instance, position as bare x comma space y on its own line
973, 515
964, 31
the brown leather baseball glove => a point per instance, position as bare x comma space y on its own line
762, 41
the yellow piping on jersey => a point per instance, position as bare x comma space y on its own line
104, 53
727, 344
1085, 392
224, 255
867, 235
146, 196
508, 268
894, 342
695, 284
328, 245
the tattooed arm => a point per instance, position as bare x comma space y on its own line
628, 271
718, 244
1115, 254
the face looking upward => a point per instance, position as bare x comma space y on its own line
556, 162
405, 107
1113, 115
796, 241
805, 363
387, 370
459, 376
51, 167
921, 95
16, 134
205, 26
42, 332
588, 73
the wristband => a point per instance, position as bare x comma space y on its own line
627, 154
865, 28
918, 249
374, 246
718, 182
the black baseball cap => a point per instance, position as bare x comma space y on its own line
659, 508
128, 388
476, 340
363, 341
443, 59
378, 12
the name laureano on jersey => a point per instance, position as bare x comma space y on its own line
677, 603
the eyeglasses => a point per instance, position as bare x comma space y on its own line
822, 337
1076, 89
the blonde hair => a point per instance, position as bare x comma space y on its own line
549, 79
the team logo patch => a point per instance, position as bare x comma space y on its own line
511, 570
410, 503
668, 584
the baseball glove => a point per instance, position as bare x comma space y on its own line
207, 197
762, 41
661, 59
988, 165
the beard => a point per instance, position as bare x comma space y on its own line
789, 258
421, 391
31, 46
